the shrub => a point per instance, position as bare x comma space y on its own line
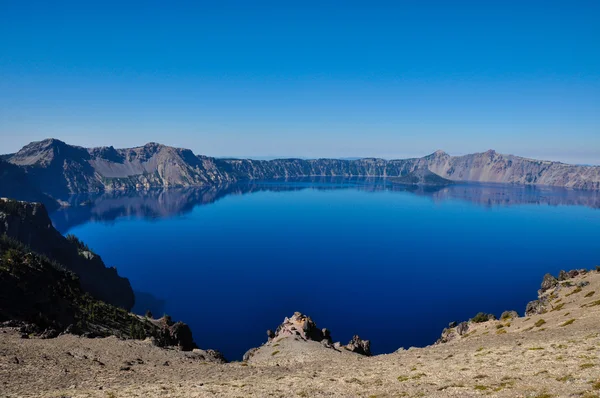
539, 323
77, 242
567, 323
482, 317
508, 315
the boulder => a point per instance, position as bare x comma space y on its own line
301, 326
563, 275
327, 343
535, 307
180, 335
462, 328
249, 354
548, 282
326, 334
359, 346
49, 333
216, 356
573, 273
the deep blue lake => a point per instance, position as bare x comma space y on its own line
392, 264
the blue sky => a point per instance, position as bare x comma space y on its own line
315, 79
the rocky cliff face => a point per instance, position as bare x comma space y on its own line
60, 169
42, 298
491, 166
29, 224
15, 183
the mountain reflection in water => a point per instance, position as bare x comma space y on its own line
110, 206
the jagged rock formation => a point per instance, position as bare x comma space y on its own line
29, 224
303, 328
41, 297
549, 299
59, 169
422, 176
542, 355
550, 288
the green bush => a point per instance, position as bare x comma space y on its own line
482, 317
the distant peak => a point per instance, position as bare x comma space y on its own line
153, 144
43, 145
50, 141
439, 153
152, 147
490, 152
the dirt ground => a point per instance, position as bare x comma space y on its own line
520, 357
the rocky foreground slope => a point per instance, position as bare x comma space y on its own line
29, 224
59, 169
552, 352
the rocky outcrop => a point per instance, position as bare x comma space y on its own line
359, 346
550, 287
535, 307
549, 290
301, 327
548, 282
176, 334
42, 298
29, 224
59, 169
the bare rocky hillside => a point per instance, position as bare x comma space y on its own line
58, 169
552, 352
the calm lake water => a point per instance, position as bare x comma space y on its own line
392, 264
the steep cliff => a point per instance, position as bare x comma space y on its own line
42, 298
15, 183
29, 224
59, 169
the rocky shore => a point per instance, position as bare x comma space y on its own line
59, 339
552, 351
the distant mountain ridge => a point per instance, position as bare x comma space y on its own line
58, 169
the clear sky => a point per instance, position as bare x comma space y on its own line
313, 79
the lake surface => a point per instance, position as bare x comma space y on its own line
390, 263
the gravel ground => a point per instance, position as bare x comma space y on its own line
556, 358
